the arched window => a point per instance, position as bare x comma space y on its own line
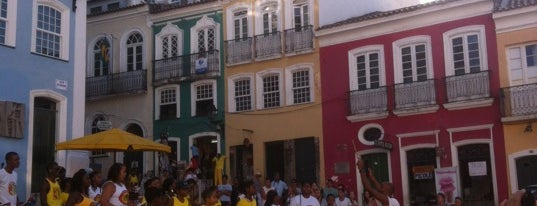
135, 52
101, 57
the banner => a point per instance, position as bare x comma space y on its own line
447, 183
201, 65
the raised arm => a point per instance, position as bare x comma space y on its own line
365, 181
371, 176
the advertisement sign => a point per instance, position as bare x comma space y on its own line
477, 168
201, 65
447, 182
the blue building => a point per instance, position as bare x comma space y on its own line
42, 46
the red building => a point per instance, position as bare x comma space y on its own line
423, 80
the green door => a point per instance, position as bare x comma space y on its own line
378, 162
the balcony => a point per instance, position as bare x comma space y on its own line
519, 103
299, 39
368, 104
468, 91
238, 51
268, 45
115, 84
186, 67
415, 98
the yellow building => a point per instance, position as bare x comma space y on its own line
517, 57
273, 99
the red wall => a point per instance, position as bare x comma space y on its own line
338, 131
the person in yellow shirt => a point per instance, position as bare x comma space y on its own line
249, 195
50, 194
65, 186
181, 199
219, 161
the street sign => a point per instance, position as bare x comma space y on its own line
383, 144
104, 125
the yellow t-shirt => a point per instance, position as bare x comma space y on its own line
177, 202
54, 194
219, 162
64, 196
133, 180
246, 202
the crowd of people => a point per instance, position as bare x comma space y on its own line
86, 188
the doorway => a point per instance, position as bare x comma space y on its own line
525, 171
477, 185
44, 139
134, 160
421, 182
208, 148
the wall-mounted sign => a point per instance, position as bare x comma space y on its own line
104, 125
201, 65
383, 144
477, 168
12, 119
423, 172
61, 84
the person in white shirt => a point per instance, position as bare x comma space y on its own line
225, 189
266, 188
382, 192
305, 199
94, 190
8, 180
342, 200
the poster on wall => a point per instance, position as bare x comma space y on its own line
447, 182
477, 168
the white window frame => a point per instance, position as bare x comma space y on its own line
289, 82
177, 99
525, 79
259, 86
90, 58
259, 29
193, 97
464, 31
204, 23
231, 91
65, 26
241, 25
123, 50
11, 23
412, 41
289, 13
353, 74
230, 25
168, 30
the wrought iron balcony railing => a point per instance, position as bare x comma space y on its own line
238, 50
299, 39
519, 100
268, 45
175, 68
415, 94
368, 101
468, 87
120, 83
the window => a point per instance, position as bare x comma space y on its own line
101, 57
51, 30
370, 133
366, 68
113, 6
299, 84
240, 24
135, 52
169, 42
270, 19
8, 22
167, 106
204, 35
269, 89
241, 93
465, 50
3, 21
203, 97
97, 9
412, 57
522, 60
300, 14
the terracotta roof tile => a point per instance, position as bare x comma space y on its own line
505, 5
380, 14
116, 10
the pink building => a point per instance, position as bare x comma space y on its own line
413, 90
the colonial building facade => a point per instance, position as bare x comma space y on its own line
273, 101
118, 72
517, 58
42, 81
414, 90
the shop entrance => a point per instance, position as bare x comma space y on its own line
476, 181
421, 183
208, 148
